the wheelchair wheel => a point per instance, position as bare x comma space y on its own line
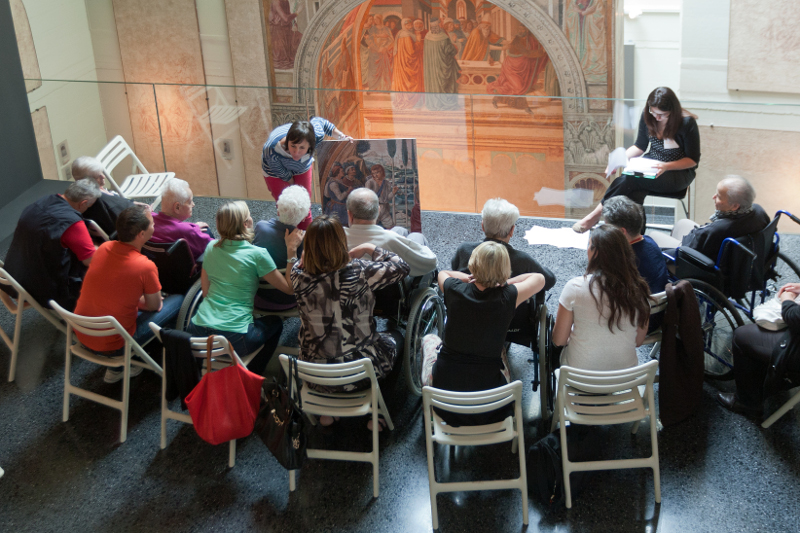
426, 316
189, 306
546, 366
719, 318
785, 271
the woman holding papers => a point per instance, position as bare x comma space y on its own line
668, 135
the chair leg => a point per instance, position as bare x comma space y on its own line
375, 451
232, 453
12, 371
126, 393
656, 467
565, 465
635, 427
292, 485
67, 365
785, 408
164, 404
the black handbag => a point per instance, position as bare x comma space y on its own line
281, 423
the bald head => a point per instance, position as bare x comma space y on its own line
363, 207
734, 192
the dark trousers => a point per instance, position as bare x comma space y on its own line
752, 354
670, 182
264, 331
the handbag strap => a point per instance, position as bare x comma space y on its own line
294, 378
209, 349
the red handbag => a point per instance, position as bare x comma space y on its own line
224, 405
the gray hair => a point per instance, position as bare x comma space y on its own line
740, 191
293, 205
363, 204
84, 166
498, 217
175, 190
624, 213
81, 190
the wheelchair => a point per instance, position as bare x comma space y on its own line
747, 271
177, 269
413, 305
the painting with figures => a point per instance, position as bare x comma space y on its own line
387, 166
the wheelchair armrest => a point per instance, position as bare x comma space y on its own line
690, 263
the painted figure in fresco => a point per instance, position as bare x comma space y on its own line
468, 26
482, 44
440, 70
525, 60
364, 46
379, 61
344, 79
408, 75
285, 39
386, 192
419, 30
457, 37
336, 193
584, 24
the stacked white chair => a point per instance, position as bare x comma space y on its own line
136, 185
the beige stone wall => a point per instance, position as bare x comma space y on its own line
769, 159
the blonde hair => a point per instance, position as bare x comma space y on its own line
231, 223
489, 264
324, 246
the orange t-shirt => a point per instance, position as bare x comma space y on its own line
117, 277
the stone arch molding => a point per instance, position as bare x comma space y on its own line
565, 61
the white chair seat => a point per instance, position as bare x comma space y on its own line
144, 185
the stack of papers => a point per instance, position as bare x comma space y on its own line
641, 166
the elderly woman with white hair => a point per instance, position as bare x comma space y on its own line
110, 204
480, 306
177, 203
293, 205
498, 220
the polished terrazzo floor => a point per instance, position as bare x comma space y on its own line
719, 471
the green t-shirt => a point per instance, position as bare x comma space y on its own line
233, 272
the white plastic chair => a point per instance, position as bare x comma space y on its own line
605, 398
785, 408
24, 301
143, 184
102, 326
221, 356
345, 404
510, 429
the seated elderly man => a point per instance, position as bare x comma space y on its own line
497, 223
628, 216
177, 202
136, 297
385, 191
362, 214
293, 205
110, 204
51, 247
736, 216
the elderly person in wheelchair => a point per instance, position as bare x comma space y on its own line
177, 204
470, 356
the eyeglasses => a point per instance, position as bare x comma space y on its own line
657, 114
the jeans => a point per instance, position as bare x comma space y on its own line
264, 331
165, 317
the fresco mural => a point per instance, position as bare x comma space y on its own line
387, 166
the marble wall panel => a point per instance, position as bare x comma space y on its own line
44, 142
764, 46
160, 43
27, 51
248, 55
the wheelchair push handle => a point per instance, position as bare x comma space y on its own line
788, 214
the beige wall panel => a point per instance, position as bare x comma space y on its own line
27, 51
764, 46
758, 155
44, 142
246, 35
160, 43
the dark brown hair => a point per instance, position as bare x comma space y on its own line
664, 99
301, 131
613, 269
324, 246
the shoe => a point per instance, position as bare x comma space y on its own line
577, 228
112, 375
729, 401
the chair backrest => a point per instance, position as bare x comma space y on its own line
219, 348
524, 327
736, 264
605, 397
477, 402
658, 302
112, 155
95, 231
334, 374
8, 280
763, 244
177, 270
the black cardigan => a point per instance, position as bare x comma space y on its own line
688, 138
787, 351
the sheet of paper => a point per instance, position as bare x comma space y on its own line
571, 198
641, 164
558, 237
616, 159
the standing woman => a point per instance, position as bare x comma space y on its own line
287, 155
603, 315
667, 133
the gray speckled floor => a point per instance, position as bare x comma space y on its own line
719, 471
